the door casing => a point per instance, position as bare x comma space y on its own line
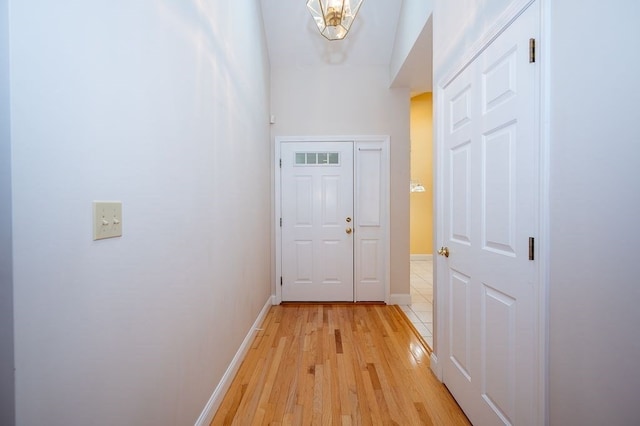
362, 144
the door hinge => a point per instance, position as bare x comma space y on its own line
281, 163
280, 222
280, 281
532, 50
531, 248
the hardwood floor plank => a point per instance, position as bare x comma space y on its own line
317, 395
307, 383
323, 364
425, 418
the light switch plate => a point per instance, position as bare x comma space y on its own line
107, 219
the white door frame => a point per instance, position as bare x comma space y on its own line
361, 140
441, 311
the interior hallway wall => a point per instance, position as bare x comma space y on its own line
595, 205
421, 210
457, 26
164, 106
412, 21
7, 392
340, 100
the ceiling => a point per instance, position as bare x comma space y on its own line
294, 40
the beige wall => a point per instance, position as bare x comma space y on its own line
421, 203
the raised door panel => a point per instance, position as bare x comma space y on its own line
499, 81
460, 323
330, 272
304, 201
303, 220
369, 187
497, 322
499, 190
371, 270
460, 205
303, 262
460, 107
330, 199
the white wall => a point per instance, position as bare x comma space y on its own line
164, 106
594, 201
595, 207
6, 275
340, 100
412, 21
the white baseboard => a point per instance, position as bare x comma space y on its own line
218, 394
400, 299
421, 257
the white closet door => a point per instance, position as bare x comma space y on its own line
490, 176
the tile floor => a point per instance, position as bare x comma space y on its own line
420, 312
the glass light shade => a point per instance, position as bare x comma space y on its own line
334, 17
416, 186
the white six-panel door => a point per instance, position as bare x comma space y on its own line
317, 221
490, 177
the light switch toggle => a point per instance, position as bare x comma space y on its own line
107, 219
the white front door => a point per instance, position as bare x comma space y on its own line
490, 195
317, 221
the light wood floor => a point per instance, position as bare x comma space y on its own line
337, 365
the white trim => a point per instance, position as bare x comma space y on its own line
399, 299
277, 208
439, 315
421, 257
543, 247
223, 386
513, 11
436, 368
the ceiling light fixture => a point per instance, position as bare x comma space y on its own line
334, 17
416, 186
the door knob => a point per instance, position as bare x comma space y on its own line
444, 251
349, 230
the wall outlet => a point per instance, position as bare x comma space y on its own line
107, 219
